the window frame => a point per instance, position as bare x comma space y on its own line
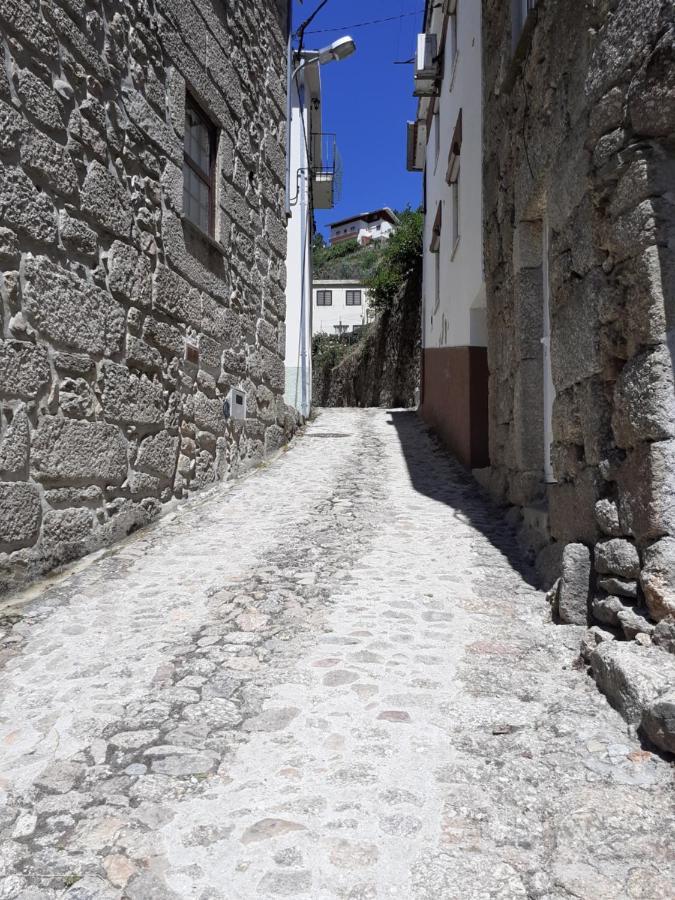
351, 302
324, 295
207, 178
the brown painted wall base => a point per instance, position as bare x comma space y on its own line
455, 400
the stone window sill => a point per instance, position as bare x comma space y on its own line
197, 232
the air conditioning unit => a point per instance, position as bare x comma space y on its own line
426, 58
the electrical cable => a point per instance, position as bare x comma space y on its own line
365, 24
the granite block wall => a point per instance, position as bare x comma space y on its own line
580, 145
122, 326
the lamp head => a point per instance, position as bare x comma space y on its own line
340, 49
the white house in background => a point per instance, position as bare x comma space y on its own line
339, 306
445, 142
366, 227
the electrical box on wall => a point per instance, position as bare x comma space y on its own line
237, 403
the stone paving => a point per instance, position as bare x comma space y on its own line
330, 680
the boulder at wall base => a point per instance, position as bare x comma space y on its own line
659, 721
658, 578
632, 677
617, 557
575, 584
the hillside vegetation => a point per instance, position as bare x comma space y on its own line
344, 260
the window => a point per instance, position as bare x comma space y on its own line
353, 298
437, 137
199, 159
455, 212
452, 28
324, 298
452, 177
435, 248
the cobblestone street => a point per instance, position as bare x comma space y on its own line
333, 679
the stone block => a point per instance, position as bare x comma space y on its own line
79, 42
528, 314
164, 335
651, 100
664, 634
39, 100
78, 452
24, 208
174, 297
69, 311
63, 528
607, 609
24, 369
634, 622
571, 508
158, 454
220, 322
646, 481
644, 399
21, 18
274, 440
619, 587
105, 200
658, 578
141, 484
528, 416
617, 556
9, 248
659, 719
20, 514
130, 398
208, 414
49, 163
76, 398
12, 126
129, 275
607, 517
575, 584
144, 117
15, 447
76, 236
631, 677
74, 363
575, 353
142, 356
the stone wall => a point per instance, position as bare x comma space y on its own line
580, 140
383, 369
122, 327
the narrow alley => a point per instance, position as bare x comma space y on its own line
332, 679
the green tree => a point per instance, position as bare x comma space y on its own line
399, 256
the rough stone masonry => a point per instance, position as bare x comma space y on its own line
123, 328
580, 167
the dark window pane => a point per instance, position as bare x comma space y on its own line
197, 140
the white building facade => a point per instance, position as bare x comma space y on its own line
365, 227
339, 306
305, 118
445, 142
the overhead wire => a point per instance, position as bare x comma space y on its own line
365, 24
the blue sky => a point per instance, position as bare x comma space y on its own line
367, 100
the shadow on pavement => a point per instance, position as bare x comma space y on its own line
435, 473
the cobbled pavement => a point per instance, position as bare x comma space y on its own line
333, 679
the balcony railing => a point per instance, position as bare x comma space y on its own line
326, 166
